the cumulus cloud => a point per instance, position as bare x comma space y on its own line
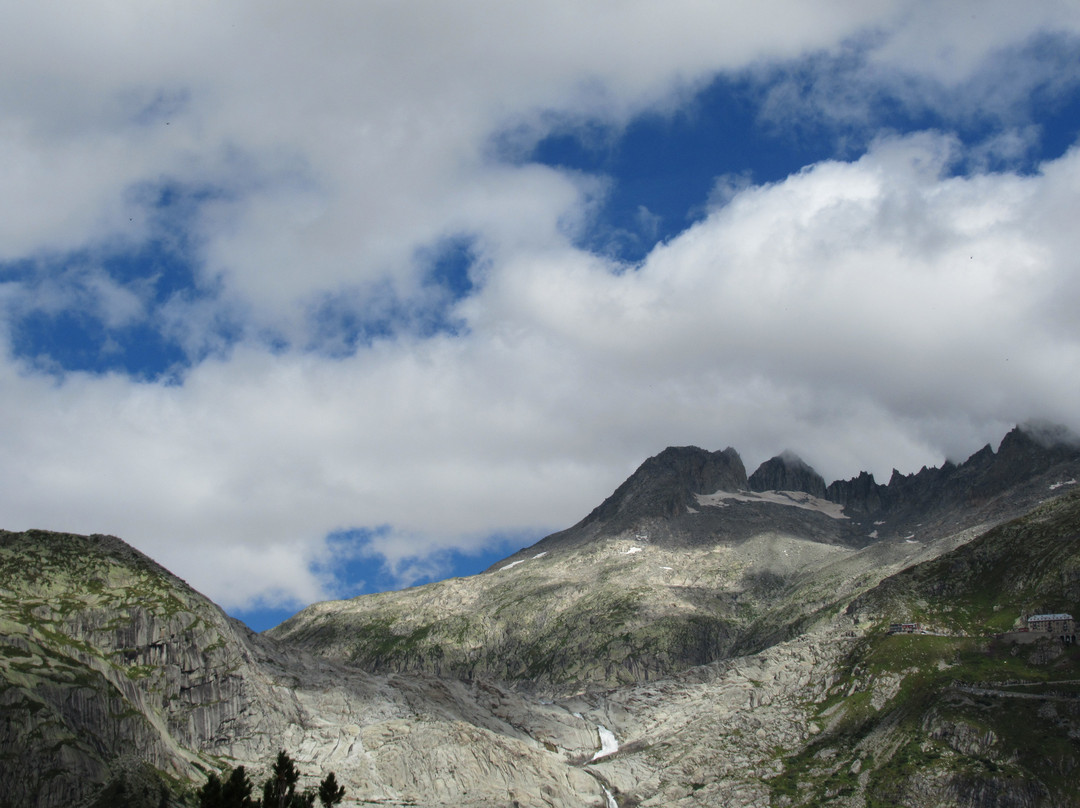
336, 140
881, 308
830, 312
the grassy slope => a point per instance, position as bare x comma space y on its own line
966, 718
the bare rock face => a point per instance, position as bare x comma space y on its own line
664, 485
999, 485
787, 472
106, 653
861, 494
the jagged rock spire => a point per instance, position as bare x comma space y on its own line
664, 485
787, 472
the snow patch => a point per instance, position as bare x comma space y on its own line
609, 744
521, 561
669, 569
631, 551
794, 499
872, 535
1056, 486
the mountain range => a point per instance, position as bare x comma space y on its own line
702, 637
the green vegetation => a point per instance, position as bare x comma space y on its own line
969, 710
964, 709
143, 790
15, 652
1029, 565
279, 789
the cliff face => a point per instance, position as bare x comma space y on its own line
101, 643
664, 486
787, 472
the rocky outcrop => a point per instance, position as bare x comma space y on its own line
861, 494
931, 789
1025, 456
664, 485
101, 643
787, 472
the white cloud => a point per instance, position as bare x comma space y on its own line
343, 136
951, 43
799, 315
867, 314
988, 65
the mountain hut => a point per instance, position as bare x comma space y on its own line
1060, 625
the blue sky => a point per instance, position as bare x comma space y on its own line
312, 302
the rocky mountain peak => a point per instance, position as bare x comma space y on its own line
787, 472
1036, 445
1048, 435
861, 494
665, 484
1025, 452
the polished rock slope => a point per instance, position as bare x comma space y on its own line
107, 661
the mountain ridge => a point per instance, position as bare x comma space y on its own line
698, 572
636, 659
663, 490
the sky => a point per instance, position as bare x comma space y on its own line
309, 300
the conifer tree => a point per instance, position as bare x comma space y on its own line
236, 791
330, 793
279, 791
280, 787
210, 793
